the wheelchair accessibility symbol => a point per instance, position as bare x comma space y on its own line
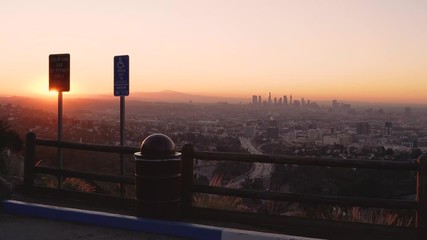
120, 65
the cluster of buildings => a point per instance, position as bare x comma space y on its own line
357, 128
282, 100
210, 124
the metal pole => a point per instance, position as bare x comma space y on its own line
59, 135
122, 138
122, 120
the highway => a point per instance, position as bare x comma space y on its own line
258, 170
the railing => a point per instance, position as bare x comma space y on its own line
30, 170
290, 225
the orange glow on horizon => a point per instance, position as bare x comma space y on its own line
39, 87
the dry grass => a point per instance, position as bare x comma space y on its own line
401, 218
280, 208
218, 201
78, 184
369, 215
75, 184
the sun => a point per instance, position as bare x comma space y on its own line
39, 87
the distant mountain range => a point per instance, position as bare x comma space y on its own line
174, 96
104, 101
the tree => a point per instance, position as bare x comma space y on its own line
3, 129
9, 138
9, 141
389, 152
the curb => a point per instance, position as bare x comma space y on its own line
161, 227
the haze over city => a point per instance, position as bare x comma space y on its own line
371, 51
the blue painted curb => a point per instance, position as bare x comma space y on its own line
178, 229
186, 230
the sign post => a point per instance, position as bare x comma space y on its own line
121, 75
121, 88
59, 80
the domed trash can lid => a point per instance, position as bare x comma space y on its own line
157, 146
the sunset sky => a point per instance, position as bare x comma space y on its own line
363, 50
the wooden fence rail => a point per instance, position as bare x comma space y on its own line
189, 188
312, 161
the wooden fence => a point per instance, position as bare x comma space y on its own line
277, 223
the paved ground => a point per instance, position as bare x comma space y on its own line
23, 228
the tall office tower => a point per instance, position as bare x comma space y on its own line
285, 100
388, 129
290, 100
308, 102
254, 100
363, 128
280, 101
302, 102
334, 103
259, 99
269, 98
275, 100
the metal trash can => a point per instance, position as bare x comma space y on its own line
158, 178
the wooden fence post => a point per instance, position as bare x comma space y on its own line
187, 158
29, 160
421, 219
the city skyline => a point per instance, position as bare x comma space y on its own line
371, 51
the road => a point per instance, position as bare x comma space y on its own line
258, 170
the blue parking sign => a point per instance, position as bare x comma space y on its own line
121, 75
